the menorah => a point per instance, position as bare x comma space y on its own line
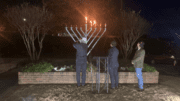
86, 33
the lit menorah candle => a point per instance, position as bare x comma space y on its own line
91, 23
86, 19
86, 33
95, 23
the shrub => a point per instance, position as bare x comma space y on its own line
147, 68
41, 67
89, 67
71, 68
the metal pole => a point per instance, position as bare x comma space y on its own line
91, 76
108, 75
96, 73
99, 76
105, 75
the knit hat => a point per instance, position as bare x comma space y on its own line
114, 43
83, 40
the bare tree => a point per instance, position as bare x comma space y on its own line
2, 24
131, 27
2, 28
30, 22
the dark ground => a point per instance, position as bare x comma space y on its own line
10, 78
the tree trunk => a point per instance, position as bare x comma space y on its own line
26, 42
40, 46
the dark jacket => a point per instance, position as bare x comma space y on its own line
138, 58
113, 57
81, 54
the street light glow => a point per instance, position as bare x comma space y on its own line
24, 19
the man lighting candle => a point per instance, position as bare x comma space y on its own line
81, 60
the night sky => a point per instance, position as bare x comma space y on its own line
163, 14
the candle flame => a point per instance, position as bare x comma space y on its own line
94, 22
86, 18
90, 21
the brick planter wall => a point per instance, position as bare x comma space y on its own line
70, 77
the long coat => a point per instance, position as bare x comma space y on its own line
81, 55
81, 61
138, 58
113, 57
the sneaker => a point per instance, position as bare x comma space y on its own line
84, 85
113, 88
140, 90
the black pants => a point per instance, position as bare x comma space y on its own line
81, 64
113, 71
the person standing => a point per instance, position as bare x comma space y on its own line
113, 65
81, 60
177, 60
138, 62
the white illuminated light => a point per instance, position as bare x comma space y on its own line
24, 19
91, 23
87, 31
172, 57
86, 19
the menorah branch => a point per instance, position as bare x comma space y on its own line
78, 32
94, 38
89, 31
96, 42
92, 34
70, 34
82, 31
75, 34
86, 34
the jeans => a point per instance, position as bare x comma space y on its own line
140, 77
